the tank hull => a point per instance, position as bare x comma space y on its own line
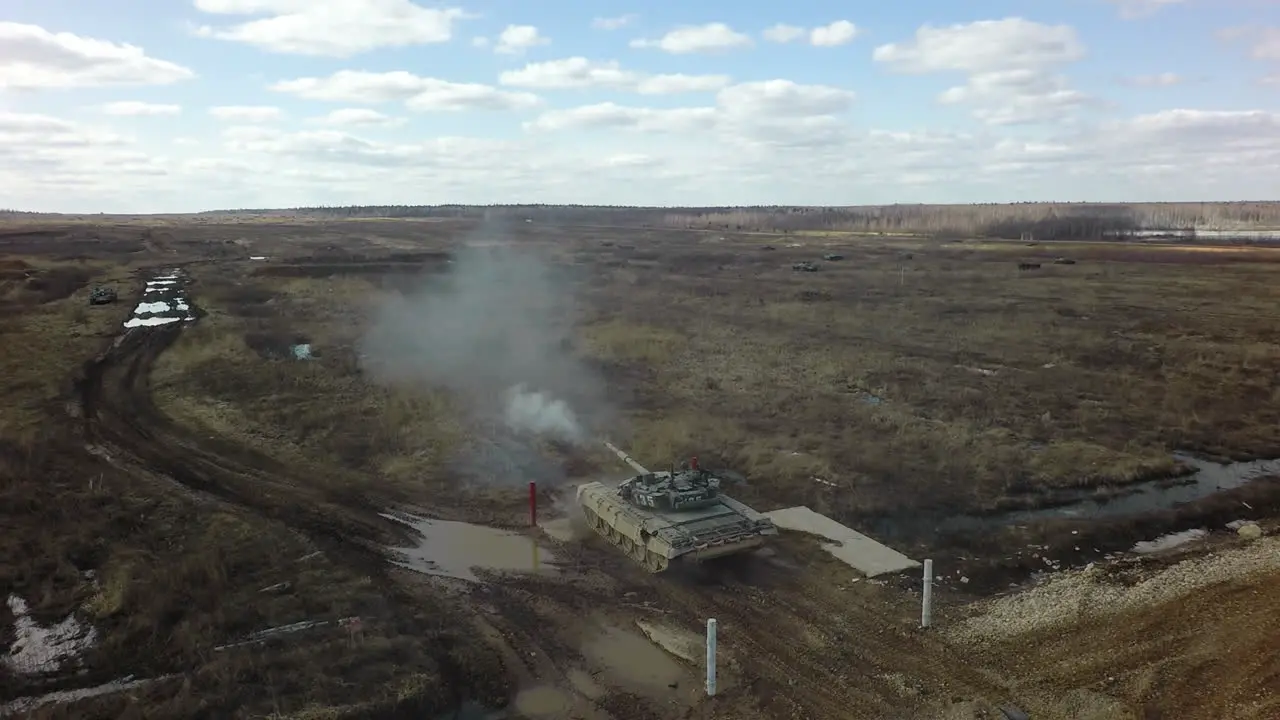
659, 539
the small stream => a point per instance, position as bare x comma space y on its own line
1141, 498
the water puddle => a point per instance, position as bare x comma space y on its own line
677, 641
544, 701
456, 549
471, 710
39, 649
631, 661
1208, 479
564, 529
163, 302
541, 702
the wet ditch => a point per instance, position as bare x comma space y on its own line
990, 552
1206, 479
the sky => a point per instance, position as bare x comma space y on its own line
146, 106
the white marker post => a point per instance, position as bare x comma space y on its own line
926, 604
711, 657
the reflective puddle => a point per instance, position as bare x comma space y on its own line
630, 660
457, 549
163, 302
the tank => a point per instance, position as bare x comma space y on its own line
675, 517
101, 295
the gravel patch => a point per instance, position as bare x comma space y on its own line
1073, 595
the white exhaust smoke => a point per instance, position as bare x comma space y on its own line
541, 414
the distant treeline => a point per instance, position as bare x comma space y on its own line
1041, 221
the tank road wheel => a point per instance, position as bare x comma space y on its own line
637, 552
655, 563
594, 521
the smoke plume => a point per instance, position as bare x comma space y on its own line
539, 413
497, 330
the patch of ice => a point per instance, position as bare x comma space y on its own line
150, 321
1167, 542
44, 649
150, 308
181, 304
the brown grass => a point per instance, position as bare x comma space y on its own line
166, 575
947, 381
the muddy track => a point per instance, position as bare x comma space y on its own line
119, 416
818, 652
121, 423
794, 642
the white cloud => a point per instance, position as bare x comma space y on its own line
631, 160
761, 141
1165, 79
418, 93
783, 33
840, 32
1134, 9
675, 83
34, 57
127, 108
35, 130
739, 108
1010, 64
247, 113
613, 23
358, 117
757, 144
1264, 42
442, 96
342, 148
983, 46
334, 28
1267, 46
614, 116
784, 98
516, 39
47, 156
580, 73
712, 37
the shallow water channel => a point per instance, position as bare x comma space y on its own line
1140, 498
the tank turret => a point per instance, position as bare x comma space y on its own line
681, 515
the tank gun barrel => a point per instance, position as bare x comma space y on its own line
626, 458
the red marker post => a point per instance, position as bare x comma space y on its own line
533, 503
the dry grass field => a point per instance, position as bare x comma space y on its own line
161, 481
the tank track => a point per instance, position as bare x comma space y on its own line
646, 558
